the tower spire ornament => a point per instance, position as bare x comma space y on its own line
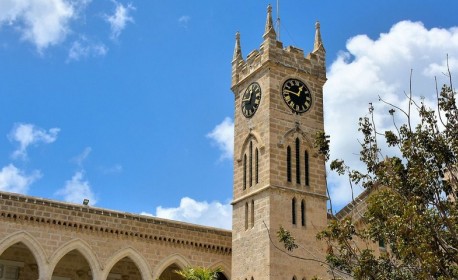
318, 42
269, 30
237, 49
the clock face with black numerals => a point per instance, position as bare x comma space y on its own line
296, 95
251, 99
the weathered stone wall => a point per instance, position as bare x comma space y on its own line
50, 230
274, 127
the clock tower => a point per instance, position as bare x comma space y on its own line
279, 177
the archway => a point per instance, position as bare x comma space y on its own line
18, 263
125, 268
221, 276
169, 273
72, 265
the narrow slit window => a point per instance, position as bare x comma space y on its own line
244, 172
288, 163
306, 168
303, 213
252, 213
298, 162
256, 165
293, 210
246, 215
251, 165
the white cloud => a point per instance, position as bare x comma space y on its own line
79, 159
213, 214
41, 22
184, 20
15, 180
381, 66
83, 49
27, 134
223, 136
77, 189
120, 18
117, 168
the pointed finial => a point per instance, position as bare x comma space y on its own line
318, 42
269, 29
237, 49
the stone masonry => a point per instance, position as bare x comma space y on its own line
40, 234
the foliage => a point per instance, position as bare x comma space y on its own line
286, 239
199, 273
412, 206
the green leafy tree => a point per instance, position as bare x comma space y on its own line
412, 207
199, 273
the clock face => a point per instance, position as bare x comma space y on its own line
296, 95
251, 99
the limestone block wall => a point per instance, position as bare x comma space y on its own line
103, 239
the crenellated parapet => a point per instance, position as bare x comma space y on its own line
272, 51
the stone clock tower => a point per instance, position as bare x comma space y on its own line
279, 178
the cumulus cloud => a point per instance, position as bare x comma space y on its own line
28, 134
119, 18
369, 68
82, 48
41, 22
15, 180
223, 136
213, 214
77, 189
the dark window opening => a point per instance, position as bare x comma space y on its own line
303, 213
288, 163
251, 164
306, 163
256, 167
246, 216
298, 162
252, 213
244, 172
293, 210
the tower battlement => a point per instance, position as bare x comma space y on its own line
272, 51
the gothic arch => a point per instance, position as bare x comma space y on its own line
177, 259
135, 256
252, 135
33, 245
296, 131
83, 248
224, 267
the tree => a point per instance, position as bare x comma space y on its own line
199, 273
412, 207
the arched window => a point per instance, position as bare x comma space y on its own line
252, 213
303, 213
256, 165
246, 215
298, 162
293, 211
288, 163
251, 164
294, 278
244, 171
306, 169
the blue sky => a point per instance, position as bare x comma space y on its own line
128, 103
